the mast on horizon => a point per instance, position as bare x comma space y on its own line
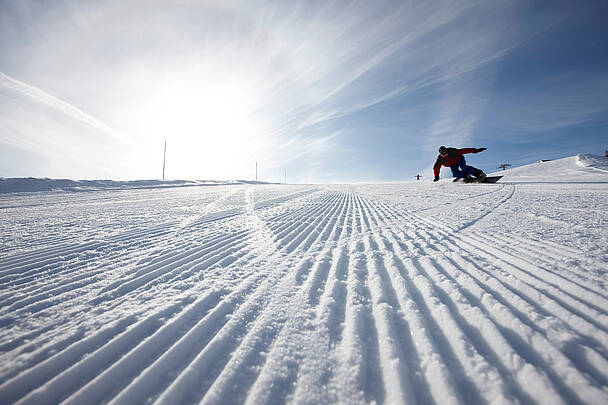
164, 157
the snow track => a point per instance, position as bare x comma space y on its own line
271, 295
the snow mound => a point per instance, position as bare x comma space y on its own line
593, 161
583, 168
31, 184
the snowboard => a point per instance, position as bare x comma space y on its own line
489, 179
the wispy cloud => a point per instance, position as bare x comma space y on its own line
404, 52
63, 140
41, 97
415, 73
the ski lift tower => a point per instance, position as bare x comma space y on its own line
504, 166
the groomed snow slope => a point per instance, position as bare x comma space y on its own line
423, 293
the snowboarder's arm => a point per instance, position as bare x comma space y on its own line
466, 150
436, 169
470, 150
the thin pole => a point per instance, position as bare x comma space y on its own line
256, 171
164, 157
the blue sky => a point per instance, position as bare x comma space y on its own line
332, 91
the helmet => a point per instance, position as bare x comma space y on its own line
443, 150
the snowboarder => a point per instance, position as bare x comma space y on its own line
454, 159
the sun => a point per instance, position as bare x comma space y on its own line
211, 127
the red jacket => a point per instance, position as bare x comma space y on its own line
451, 159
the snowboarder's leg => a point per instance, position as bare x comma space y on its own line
469, 170
456, 172
461, 167
476, 172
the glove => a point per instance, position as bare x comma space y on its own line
479, 150
436, 178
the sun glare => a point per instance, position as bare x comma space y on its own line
211, 128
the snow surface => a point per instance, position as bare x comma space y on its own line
31, 184
420, 292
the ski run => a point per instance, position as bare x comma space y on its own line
399, 293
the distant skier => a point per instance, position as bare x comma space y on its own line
454, 159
